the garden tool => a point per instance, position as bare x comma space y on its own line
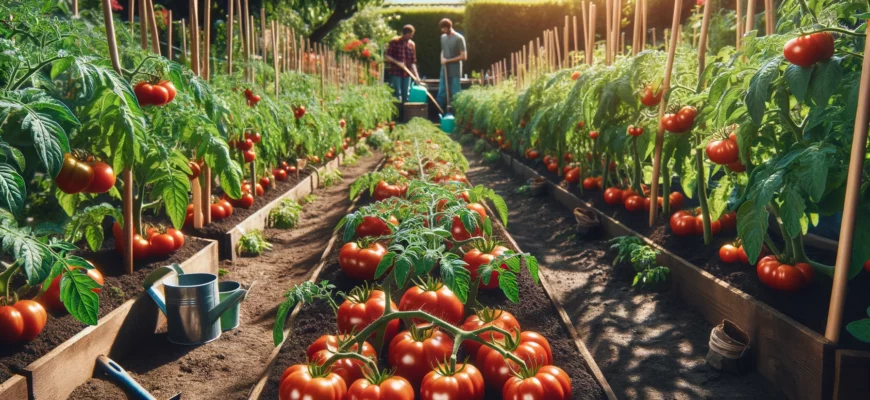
191, 304
447, 120
120, 376
422, 89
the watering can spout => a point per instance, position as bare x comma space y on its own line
153, 278
226, 304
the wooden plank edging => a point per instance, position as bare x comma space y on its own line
56, 374
14, 388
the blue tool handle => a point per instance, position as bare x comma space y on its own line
119, 375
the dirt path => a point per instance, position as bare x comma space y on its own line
648, 345
229, 367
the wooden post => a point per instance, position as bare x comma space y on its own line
557, 47
739, 24
131, 11
586, 48
576, 37
635, 38
275, 56
263, 32
608, 28
143, 24
666, 85
617, 22
702, 43
565, 42
155, 41
75, 8
169, 37
653, 34
200, 206
750, 16
769, 17
127, 173
183, 39
850, 208
206, 43
643, 28
230, 22
590, 49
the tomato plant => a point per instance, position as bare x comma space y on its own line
529, 346
414, 352
361, 261
434, 298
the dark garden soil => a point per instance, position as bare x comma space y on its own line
118, 288
217, 229
535, 312
649, 345
229, 367
808, 306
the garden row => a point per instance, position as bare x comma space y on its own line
467, 312
180, 141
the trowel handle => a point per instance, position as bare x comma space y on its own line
121, 376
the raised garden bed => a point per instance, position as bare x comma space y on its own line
778, 323
537, 312
228, 231
64, 354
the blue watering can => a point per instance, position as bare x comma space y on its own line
447, 120
191, 304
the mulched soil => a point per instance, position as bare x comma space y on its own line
535, 312
230, 366
808, 306
118, 289
648, 344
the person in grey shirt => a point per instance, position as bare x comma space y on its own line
452, 55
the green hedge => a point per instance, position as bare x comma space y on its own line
425, 21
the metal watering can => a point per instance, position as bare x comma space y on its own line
447, 120
191, 304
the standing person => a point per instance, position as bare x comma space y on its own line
402, 52
452, 54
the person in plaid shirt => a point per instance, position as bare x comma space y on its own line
402, 54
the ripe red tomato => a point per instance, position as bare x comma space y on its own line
162, 245
245, 144
298, 382
676, 200
361, 263
580, 124
728, 254
11, 325
547, 159
362, 307
728, 221
573, 175
254, 136
375, 226
635, 130
384, 190
299, 112
104, 178
50, 299
347, 368
650, 98
590, 183
141, 247
722, 151
226, 205
195, 169
686, 117
475, 258
634, 203
249, 155
532, 154
741, 255
466, 383
170, 90
593, 135
265, 182
484, 317
413, 353
391, 388
279, 174
218, 211
434, 298
575, 75
177, 237
736, 167
75, 175
613, 196
34, 317
784, 277
548, 382
553, 167
715, 226
807, 50
531, 347
246, 201
683, 224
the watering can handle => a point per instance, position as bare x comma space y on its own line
120, 375
154, 277
225, 305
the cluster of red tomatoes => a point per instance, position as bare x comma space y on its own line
725, 152
156, 243
772, 272
246, 145
251, 98
593, 183
807, 50
81, 173
158, 94
685, 223
681, 122
418, 355
532, 154
299, 112
384, 190
635, 130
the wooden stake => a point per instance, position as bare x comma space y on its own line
557, 47
608, 36
653, 33
576, 43
666, 85
739, 24
586, 48
635, 38
126, 174
230, 23
565, 42
169, 37
590, 52
143, 24
702, 43
275, 57
183, 39
850, 208
263, 32
643, 28
750, 16
131, 10
206, 43
155, 40
769, 17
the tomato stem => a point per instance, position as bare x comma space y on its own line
6, 279
702, 191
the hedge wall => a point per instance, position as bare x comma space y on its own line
427, 36
498, 27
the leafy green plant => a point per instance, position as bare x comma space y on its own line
642, 258
350, 160
377, 140
492, 156
253, 243
330, 178
286, 215
479, 147
308, 199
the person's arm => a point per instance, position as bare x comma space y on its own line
461, 57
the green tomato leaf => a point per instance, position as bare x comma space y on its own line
798, 79
12, 189
759, 88
860, 329
826, 79
791, 211
507, 281
280, 319
751, 228
76, 293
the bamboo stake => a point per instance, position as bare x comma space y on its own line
635, 39
770, 17
275, 56
557, 47
590, 53
126, 174
263, 32
850, 208
131, 10
75, 8
206, 44
643, 28
666, 85
750, 16
155, 41
654, 37
230, 23
739, 25
617, 22
199, 209
143, 27
565, 42
608, 36
702, 43
183, 39
576, 43
169, 37
586, 48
